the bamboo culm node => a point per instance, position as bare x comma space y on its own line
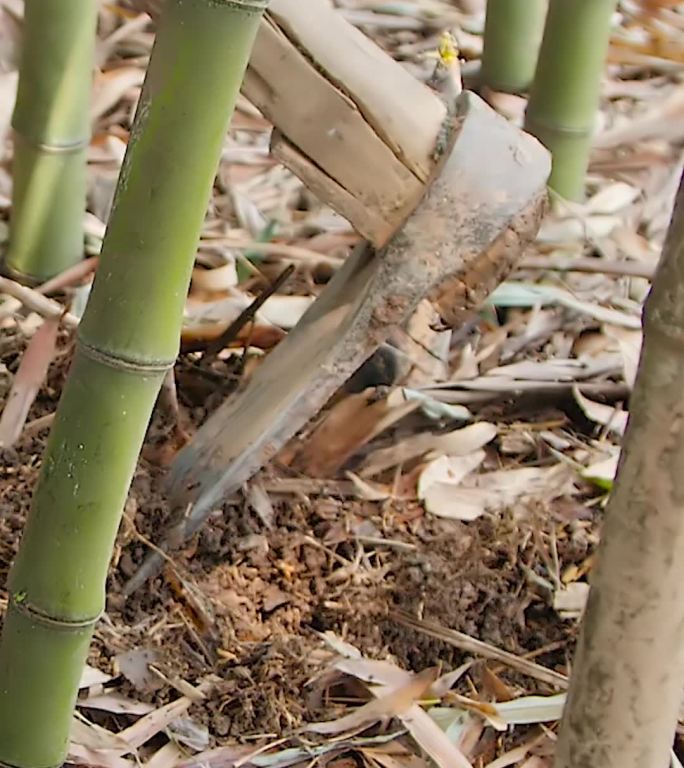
564, 97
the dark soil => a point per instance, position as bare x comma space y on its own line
248, 604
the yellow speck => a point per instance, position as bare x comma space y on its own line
448, 49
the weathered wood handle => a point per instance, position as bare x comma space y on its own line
352, 123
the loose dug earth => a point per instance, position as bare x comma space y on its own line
249, 602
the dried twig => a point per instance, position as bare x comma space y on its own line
36, 302
286, 251
597, 266
69, 276
246, 316
472, 645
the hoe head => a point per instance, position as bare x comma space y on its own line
480, 209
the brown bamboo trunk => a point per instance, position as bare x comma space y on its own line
629, 670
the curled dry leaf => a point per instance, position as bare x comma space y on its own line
440, 478
367, 490
217, 279
606, 415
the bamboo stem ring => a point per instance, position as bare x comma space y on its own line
122, 363
67, 148
40, 617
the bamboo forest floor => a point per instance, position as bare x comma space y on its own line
439, 519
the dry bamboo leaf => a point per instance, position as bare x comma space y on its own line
168, 756
392, 704
219, 757
482, 708
562, 231
91, 677
571, 601
438, 481
514, 756
285, 311
28, 381
351, 423
339, 646
472, 645
217, 279
111, 86
375, 672
663, 121
602, 472
367, 490
612, 198
115, 703
148, 726
432, 739
514, 294
629, 343
258, 499
458, 442
384, 759
97, 758
447, 680
434, 409
95, 737
281, 311
189, 734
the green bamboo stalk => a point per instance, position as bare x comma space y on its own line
512, 36
128, 339
565, 94
51, 124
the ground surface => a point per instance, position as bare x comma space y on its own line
481, 521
